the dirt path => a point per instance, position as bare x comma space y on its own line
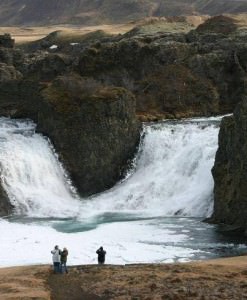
209, 280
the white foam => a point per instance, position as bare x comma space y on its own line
31, 244
172, 174
31, 174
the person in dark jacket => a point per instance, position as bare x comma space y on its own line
64, 255
101, 255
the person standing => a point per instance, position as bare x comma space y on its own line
56, 259
64, 255
101, 255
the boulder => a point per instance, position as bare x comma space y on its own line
6, 41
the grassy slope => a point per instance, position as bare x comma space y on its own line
215, 279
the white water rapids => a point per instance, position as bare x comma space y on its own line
150, 216
172, 175
31, 173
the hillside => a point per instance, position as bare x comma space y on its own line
40, 12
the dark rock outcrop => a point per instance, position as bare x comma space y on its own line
230, 171
218, 24
6, 41
174, 75
5, 207
93, 127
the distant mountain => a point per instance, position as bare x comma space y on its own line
40, 12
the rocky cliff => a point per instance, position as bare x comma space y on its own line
230, 171
177, 74
85, 96
93, 127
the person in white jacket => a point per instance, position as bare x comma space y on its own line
56, 258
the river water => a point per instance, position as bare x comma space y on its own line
154, 215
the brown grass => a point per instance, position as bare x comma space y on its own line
215, 279
28, 34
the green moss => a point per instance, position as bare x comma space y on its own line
67, 94
60, 100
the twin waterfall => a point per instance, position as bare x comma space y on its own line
171, 173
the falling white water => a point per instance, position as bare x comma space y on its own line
31, 173
172, 174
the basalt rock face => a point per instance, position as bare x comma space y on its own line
93, 127
174, 75
230, 170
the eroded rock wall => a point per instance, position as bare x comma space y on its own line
174, 75
93, 127
230, 170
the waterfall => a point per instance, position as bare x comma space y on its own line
171, 176
31, 174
